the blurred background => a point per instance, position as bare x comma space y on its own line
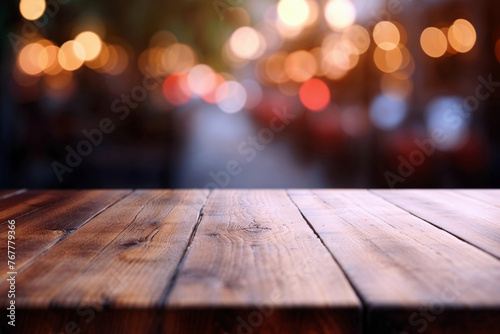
250, 93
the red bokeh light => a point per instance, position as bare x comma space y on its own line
176, 90
314, 94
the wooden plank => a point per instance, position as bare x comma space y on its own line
472, 220
397, 261
491, 196
135, 262
30, 201
38, 231
254, 248
9, 193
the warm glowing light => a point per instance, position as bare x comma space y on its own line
52, 67
71, 55
117, 61
386, 35
201, 79
314, 94
340, 14
162, 39
247, 43
32, 9
274, 68
358, 37
462, 35
175, 89
91, 44
293, 13
101, 60
210, 95
300, 65
433, 42
313, 12
33, 58
344, 56
58, 81
179, 58
388, 61
231, 96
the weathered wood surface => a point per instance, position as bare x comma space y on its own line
253, 261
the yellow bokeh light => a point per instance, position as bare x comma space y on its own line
462, 35
32, 9
433, 42
52, 67
300, 66
91, 43
117, 61
293, 13
386, 35
247, 43
71, 55
388, 61
33, 58
340, 14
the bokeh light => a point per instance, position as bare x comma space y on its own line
91, 44
33, 58
300, 65
201, 79
274, 68
388, 111
176, 90
293, 13
314, 94
247, 43
446, 122
32, 9
358, 37
340, 14
433, 42
388, 61
231, 97
179, 58
71, 55
386, 35
462, 35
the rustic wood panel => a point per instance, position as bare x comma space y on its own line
396, 260
26, 202
135, 261
246, 252
39, 230
469, 219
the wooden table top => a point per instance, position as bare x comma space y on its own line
252, 261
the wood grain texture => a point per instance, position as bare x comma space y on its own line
135, 261
26, 202
39, 230
396, 260
246, 253
470, 219
254, 261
